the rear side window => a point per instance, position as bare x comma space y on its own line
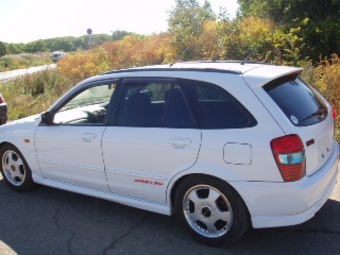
215, 108
297, 100
153, 104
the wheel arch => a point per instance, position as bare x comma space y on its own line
14, 168
7, 143
27, 151
177, 183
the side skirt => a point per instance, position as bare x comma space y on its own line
110, 196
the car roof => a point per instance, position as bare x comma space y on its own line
236, 67
254, 73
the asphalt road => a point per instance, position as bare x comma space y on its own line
8, 75
51, 221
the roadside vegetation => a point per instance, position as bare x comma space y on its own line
196, 33
24, 60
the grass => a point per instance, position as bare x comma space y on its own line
34, 93
24, 60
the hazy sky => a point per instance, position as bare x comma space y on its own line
29, 20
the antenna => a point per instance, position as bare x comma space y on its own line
180, 55
251, 53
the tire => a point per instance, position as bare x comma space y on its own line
211, 210
14, 169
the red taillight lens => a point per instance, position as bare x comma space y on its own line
333, 113
289, 154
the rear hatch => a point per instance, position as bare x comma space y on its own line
310, 116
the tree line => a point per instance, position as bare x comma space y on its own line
67, 43
279, 31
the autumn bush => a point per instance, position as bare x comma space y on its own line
326, 79
134, 51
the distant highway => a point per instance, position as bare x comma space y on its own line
8, 75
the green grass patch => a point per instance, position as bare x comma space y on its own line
34, 93
24, 60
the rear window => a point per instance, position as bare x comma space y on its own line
297, 100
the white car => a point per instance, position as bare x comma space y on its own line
221, 144
57, 55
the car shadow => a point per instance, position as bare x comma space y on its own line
52, 221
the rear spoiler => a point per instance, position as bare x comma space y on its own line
262, 75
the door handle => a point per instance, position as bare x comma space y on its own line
180, 142
88, 137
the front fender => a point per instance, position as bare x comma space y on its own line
20, 134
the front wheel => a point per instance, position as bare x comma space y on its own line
211, 210
14, 169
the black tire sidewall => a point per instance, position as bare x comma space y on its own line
28, 182
240, 213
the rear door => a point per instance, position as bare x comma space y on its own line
309, 115
152, 137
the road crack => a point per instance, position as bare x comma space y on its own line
112, 245
56, 223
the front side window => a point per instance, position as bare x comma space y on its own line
153, 104
87, 107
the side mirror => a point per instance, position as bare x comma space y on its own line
47, 118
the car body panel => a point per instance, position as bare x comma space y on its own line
20, 133
264, 74
108, 195
76, 156
289, 203
140, 161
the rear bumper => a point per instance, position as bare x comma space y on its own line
290, 203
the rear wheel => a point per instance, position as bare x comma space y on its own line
211, 210
14, 169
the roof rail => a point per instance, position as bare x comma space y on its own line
172, 70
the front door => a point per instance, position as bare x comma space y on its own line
70, 150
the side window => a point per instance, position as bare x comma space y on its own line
153, 104
87, 107
215, 108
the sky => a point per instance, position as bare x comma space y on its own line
23, 21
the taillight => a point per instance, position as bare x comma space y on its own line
289, 154
333, 113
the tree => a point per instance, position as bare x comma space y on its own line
14, 48
186, 23
2, 49
63, 44
119, 34
318, 22
36, 46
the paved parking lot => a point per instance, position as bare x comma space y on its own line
51, 221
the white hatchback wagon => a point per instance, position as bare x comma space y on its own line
221, 144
